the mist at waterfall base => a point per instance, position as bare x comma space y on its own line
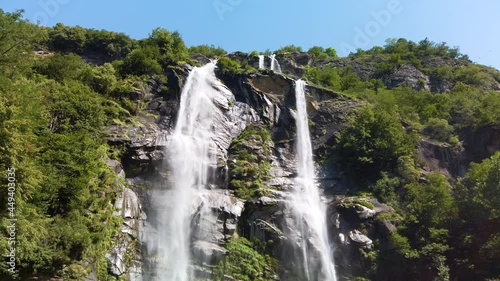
308, 234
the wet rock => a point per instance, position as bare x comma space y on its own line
207, 251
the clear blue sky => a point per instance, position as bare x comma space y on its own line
248, 25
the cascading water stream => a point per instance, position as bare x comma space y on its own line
275, 65
261, 62
190, 161
309, 212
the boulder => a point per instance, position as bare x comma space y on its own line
360, 239
408, 75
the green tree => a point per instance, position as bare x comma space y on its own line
17, 40
438, 129
430, 203
288, 49
208, 51
171, 46
101, 79
327, 77
373, 142
60, 67
67, 39
142, 61
227, 65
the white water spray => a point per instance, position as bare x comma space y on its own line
309, 212
261, 62
190, 160
275, 65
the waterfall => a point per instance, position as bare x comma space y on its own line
275, 65
309, 212
191, 158
261, 62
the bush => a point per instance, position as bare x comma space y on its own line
101, 79
319, 53
243, 262
288, 49
438, 129
142, 61
208, 51
373, 142
229, 66
327, 77
250, 169
60, 67
385, 188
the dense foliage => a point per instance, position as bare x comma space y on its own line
250, 168
244, 262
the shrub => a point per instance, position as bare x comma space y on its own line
101, 79
243, 262
373, 142
288, 49
250, 169
227, 66
208, 51
438, 129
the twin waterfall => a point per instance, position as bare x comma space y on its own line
191, 165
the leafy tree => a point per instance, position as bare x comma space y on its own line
170, 45
142, 61
17, 40
67, 39
60, 67
327, 77
227, 65
373, 142
430, 203
476, 242
288, 49
438, 129
208, 51
321, 53
112, 44
348, 79
101, 79
331, 52
481, 187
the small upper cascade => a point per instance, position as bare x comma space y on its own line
261, 62
275, 65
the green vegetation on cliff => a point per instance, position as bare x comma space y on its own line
243, 262
251, 165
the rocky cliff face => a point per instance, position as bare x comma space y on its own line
266, 100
